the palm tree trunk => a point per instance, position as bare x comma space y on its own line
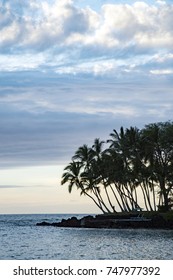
144, 196
102, 201
130, 197
107, 195
117, 200
124, 198
148, 198
99, 200
154, 196
94, 201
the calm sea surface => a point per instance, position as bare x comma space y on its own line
20, 238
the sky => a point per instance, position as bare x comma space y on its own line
70, 72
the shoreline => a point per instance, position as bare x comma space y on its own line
153, 220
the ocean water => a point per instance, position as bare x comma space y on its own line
21, 239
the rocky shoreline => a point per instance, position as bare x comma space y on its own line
114, 221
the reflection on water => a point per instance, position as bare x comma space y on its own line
21, 239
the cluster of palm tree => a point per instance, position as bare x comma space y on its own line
133, 171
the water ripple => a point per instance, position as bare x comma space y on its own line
31, 242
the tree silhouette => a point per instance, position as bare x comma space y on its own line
136, 165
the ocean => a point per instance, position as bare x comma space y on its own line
21, 239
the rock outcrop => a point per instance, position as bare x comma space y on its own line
113, 221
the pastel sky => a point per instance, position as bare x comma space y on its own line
71, 71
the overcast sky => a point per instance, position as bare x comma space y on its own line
71, 71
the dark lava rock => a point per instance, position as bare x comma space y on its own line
71, 222
112, 221
158, 222
47, 224
43, 224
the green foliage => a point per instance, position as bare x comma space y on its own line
134, 163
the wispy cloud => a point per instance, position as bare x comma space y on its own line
43, 121
162, 72
24, 186
9, 187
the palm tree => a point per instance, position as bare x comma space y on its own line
84, 154
136, 160
100, 168
158, 152
73, 177
97, 148
125, 145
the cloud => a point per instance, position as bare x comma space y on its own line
47, 26
9, 187
44, 119
162, 72
24, 186
71, 72
63, 37
55, 97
